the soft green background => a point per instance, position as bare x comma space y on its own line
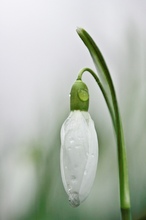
40, 56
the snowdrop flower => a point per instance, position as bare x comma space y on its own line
79, 147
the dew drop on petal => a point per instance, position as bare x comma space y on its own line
69, 188
87, 154
77, 146
73, 179
71, 141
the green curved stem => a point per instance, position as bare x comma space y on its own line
108, 86
102, 90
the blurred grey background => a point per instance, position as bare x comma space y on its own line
40, 56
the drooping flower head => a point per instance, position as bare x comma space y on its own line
79, 147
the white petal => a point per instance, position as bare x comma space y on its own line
79, 155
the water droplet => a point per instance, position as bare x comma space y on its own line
73, 179
87, 154
69, 188
83, 95
77, 146
92, 155
74, 199
71, 141
66, 167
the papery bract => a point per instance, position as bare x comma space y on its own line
79, 155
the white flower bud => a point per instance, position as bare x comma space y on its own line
79, 155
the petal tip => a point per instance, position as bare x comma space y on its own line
74, 199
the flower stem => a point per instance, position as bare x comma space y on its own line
108, 90
102, 90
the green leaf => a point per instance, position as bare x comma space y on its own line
101, 67
109, 93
